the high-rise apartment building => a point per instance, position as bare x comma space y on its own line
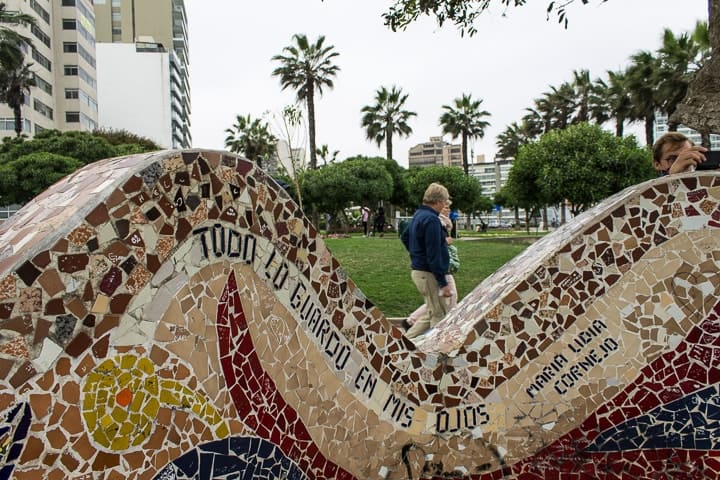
144, 44
63, 60
661, 127
435, 152
491, 175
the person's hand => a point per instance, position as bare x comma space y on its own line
445, 291
449, 240
686, 160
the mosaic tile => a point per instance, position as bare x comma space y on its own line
199, 328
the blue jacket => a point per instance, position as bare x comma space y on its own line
425, 240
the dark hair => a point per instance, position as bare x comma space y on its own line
670, 138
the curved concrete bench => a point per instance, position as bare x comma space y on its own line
174, 315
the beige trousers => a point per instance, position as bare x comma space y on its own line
435, 307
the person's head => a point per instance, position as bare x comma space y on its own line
666, 148
436, 196
446, 209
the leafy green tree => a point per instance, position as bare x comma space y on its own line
400, 195
524, 186
337, 186
386, 118
82, 146
251, 138
464, 190
25, 177
462, 13
582, 164
57, 154
307, 67
120, 137
465, 120
15, 82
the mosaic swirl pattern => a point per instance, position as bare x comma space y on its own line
174, 316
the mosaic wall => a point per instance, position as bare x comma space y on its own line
175, 316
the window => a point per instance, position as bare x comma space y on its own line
68, 3
89, 79
87, 122
70, 47
69, 24
72, 93
40, 35
86, 56
40, 107
71, 70
40, 10
72, 117
43, 85
39, 58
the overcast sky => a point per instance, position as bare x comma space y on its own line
509, 62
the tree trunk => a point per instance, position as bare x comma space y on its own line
17, 113
388, 144
649, 129
311, 125
700, 109
619, 127
464, 154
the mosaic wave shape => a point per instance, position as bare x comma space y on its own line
174, 315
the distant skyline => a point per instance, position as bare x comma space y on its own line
512, 59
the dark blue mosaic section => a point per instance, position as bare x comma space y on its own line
12, 436
691, 423
236, 458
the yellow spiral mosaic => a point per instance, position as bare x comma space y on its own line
122, 396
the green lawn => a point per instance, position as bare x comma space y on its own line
381, 268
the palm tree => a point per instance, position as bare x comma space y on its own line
464, 120
642, 84
582, 85
11, 40
386, 118
15, 82
680, 57
512, 138
251, 138
326, 155
307, 67
611, 100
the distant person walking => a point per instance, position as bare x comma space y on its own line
365, 216
429, 258
379, 222
454, 265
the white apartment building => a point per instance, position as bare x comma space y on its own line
145, 102
661, 127
152, 39
63, 60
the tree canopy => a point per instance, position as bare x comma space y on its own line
582, 164
28, 167
337, 186
464, 190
